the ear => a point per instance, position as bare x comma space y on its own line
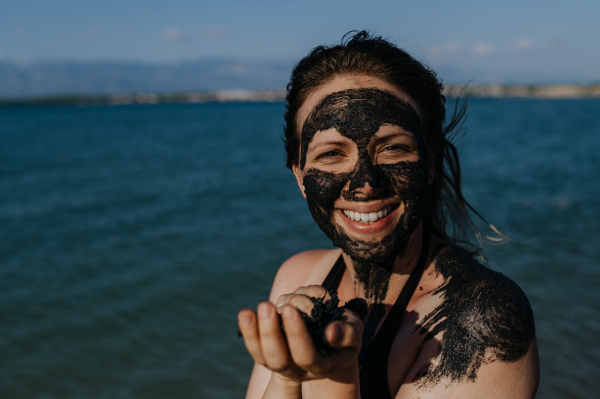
299, 180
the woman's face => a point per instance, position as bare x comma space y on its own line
363, 166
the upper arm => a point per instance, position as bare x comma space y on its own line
481, 340
494, 379
304, 268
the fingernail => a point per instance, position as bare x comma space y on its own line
338, 334
264, 310
245, 320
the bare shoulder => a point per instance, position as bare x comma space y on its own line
305, 268
482, 332
495, 379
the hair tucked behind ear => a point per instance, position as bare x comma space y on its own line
448, 214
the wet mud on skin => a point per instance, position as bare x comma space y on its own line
358, 114
485, 317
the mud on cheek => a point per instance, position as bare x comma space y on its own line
409, 179
405, 180
322, 189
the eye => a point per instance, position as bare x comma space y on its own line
396, 148
329, 155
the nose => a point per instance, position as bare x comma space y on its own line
366, 179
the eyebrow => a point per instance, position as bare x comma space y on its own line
387, 136
335, 143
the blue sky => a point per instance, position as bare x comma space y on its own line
501, 40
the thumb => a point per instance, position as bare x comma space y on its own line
340, 334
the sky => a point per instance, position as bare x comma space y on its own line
554, 41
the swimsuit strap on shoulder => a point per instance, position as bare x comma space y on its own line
333, 279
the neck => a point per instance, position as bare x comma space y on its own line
382, 283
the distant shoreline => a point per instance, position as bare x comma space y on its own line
564, 91
558, 91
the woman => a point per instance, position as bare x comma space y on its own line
367, 141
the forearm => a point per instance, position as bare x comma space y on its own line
344, 384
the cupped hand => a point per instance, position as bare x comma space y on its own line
294, 356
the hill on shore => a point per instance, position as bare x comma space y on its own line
96, 78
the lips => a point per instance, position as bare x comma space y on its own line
367, 218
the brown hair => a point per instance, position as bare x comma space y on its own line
447, 212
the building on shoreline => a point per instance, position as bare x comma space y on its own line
563, 91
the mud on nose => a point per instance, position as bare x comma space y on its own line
366, 173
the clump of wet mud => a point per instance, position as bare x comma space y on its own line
326, 312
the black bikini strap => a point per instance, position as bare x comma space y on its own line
374, 359
411, 285
333, 279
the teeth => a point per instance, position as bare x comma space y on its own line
367, 218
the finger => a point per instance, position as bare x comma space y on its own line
301, 347
317, 291
283, 300
302, 303
273, 345
340, 334
346, 336
248, 326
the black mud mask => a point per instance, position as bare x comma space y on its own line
358, 114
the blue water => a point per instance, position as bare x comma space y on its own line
130, 236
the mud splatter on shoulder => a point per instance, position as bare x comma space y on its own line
484, 317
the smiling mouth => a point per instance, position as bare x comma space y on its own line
368, 218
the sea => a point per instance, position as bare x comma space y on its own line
130, 237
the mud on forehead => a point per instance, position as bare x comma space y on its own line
358, 114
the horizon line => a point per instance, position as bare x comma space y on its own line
539, 91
